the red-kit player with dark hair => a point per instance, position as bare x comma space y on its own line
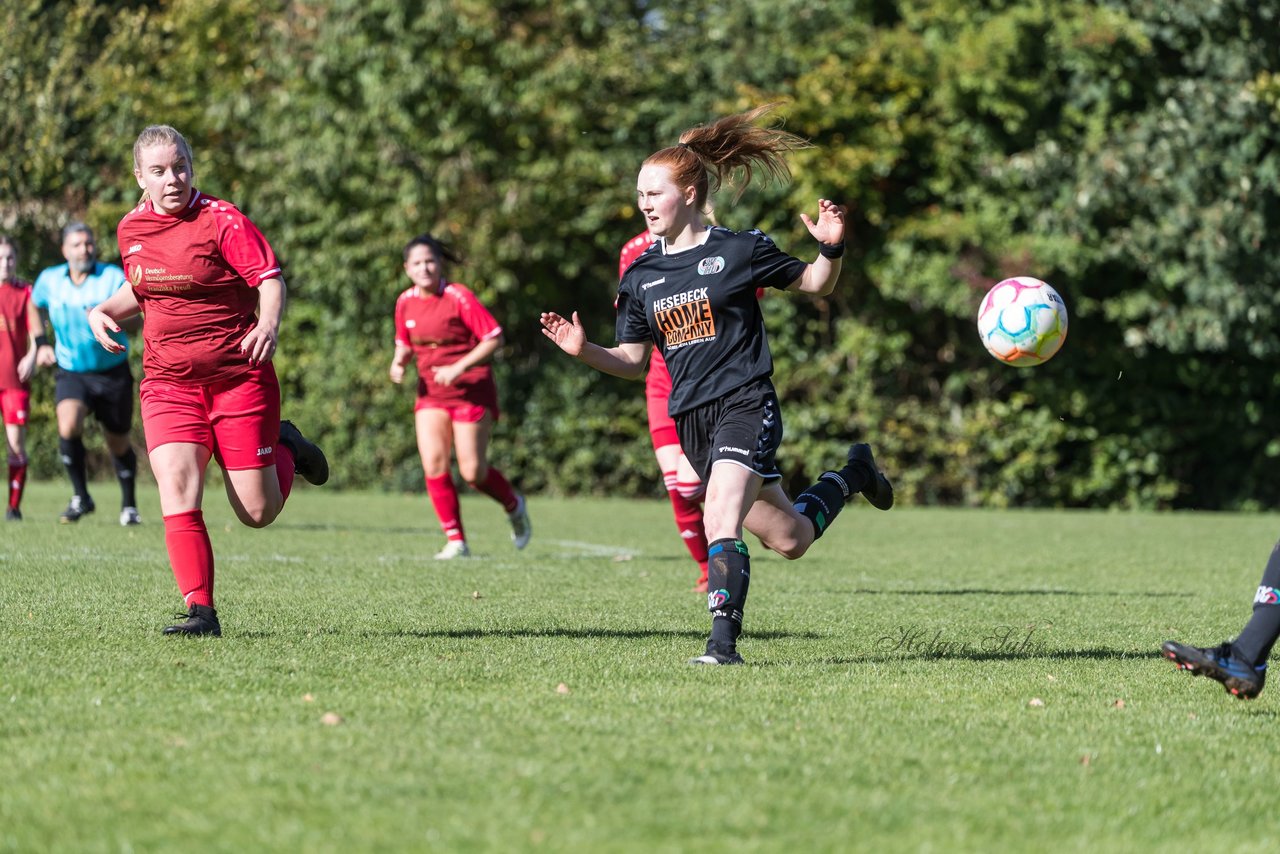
19, 329
683, 485
213, 297
451, 335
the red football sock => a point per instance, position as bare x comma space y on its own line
444, 498
191, 556
689, 522
496, 487
17, 480
284, 468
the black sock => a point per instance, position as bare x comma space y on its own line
126, 472
823, 501
1260, 633
728, 577
72, 451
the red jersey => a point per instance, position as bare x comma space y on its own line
441, 328
15, 300
194, 274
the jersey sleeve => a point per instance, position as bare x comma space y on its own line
770, 266
632, 326
402, 329
243, 246
474, 315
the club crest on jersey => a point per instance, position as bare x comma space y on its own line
710, 266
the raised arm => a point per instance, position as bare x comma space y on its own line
625, 360
819, 278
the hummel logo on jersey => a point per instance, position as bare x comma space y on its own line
137, 247
710, 266
262, 452
652, 284
733, 450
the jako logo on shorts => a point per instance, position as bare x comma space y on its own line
716, 598
710, 266
1266, 596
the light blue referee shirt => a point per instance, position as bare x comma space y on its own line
68, 305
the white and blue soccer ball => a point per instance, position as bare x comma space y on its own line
1022, 321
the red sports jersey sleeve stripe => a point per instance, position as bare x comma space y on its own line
242, 244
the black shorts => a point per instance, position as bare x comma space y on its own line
743, 427
108, 394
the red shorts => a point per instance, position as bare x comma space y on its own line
462, 412
466, 404
239, 421
15, 403
657, 392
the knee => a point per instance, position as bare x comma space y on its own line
473, 473
433, 466
258, 516
789, 547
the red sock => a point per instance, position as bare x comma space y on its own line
689, 523
444, 498
17, 480
191, 556
496, 487
284, 469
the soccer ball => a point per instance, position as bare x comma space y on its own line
1022, 321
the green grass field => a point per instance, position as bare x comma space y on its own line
924, 680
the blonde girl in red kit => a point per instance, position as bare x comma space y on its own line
452, 336
212, 294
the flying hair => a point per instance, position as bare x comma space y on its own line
441, 250
708, 155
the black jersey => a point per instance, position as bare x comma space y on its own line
699, 308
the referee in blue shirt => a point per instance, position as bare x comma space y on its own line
89, 379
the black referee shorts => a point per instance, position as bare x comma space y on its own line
743, 427
108, 394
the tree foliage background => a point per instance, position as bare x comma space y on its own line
1124, 151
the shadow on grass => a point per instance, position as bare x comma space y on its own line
982, 591
584, 634
1032, 654
351, 529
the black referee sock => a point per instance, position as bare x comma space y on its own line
728, 577
126, 472
823, 501
72, 451
1260, 633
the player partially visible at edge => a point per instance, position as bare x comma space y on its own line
452, 336
19, 339
1240, 665
693, 295
213, 297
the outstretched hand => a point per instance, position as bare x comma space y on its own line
830, 225
568, 335
101, 324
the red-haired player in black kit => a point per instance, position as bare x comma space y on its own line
684, 487
693, 295
213, 297
452, 336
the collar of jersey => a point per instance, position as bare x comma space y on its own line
706, 235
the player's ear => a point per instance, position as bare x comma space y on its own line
137, 176
690, 195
